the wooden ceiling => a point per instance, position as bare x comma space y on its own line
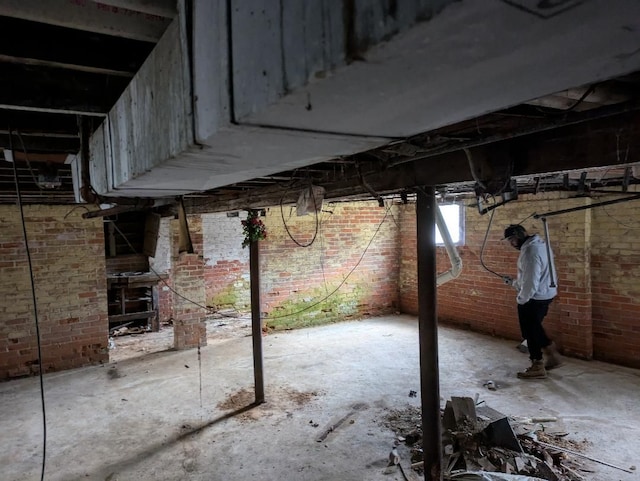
53, 73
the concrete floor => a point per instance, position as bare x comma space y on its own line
161, 417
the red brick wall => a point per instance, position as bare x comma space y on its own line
226, 272
127, 263
615, 264
294, 277
189, 312
69, 270
597, 309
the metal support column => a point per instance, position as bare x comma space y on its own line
428, 334
256, 321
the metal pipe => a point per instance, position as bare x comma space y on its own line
256, 321
549, 256
583, 207
428, 334
452, 252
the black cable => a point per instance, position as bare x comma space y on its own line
573, 106
81, 206
133, 249
628, 226
35, 310
315, 208
179, 295
343, 281
26, 158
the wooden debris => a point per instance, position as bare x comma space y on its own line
464, 411
582, 456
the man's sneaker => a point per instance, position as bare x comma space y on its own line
552, 356
536, 371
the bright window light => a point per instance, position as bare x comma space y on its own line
453, 217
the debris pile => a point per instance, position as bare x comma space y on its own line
478, 439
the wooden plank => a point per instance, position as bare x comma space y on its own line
131, 316
91, 17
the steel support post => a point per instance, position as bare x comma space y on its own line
428, 334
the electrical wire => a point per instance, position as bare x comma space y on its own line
628, 226
26, 158
81, 206
133, 249
208, 309
573, 106
343, 281
322, 252
315, 208
35, 312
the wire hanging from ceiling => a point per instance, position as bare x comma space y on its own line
35, 311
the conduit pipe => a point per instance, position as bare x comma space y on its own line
549, 257
452, 252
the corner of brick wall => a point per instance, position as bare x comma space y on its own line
595, 313
354, 256
68, 260
189, 303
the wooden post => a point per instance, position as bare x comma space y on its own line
256, 320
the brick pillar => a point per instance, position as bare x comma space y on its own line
189, 328
575, 300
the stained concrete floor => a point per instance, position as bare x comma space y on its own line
173, 416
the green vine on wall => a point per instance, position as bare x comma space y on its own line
253, 228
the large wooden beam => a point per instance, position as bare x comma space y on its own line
58, 90
162, 8
597, 143
89, 16
68, 48
30, 143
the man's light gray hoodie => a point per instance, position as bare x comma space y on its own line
534, 276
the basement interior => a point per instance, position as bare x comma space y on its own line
268, 241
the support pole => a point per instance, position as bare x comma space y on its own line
549, 258
428, 334
256, 321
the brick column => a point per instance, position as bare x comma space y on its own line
573, 261
189, 328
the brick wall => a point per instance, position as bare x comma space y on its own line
596, 311
188, 300
166, 250
294, 278
127, 263
615, 265
69, 270
226, 272
594, 316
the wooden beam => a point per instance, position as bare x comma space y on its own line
71, 48
89, 16
162, 8
40, 144
576, 147
68, 66
58, 90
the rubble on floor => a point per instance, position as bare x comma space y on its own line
482, 444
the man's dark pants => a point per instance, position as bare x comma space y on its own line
531, 316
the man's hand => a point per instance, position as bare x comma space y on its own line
507, 280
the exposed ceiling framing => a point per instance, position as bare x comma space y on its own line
580, 139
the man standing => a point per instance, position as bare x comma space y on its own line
536, 289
